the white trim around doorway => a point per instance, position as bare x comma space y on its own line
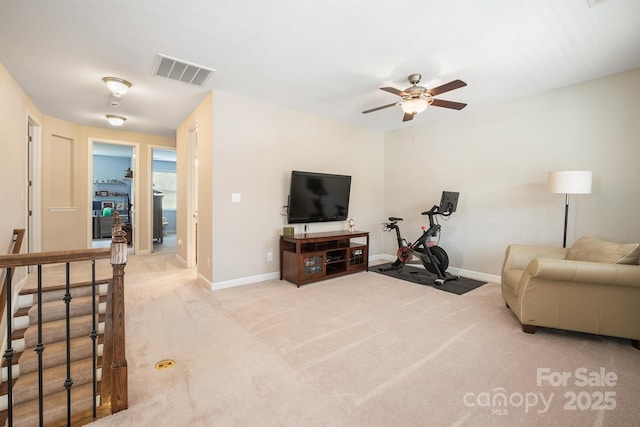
136, 188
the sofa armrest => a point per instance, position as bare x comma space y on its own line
584, 272
517, 257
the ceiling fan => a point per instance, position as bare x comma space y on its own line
415, 99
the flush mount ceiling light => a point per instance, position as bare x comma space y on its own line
115, 120
117, 86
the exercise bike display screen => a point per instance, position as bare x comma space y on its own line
448, 202
318, 197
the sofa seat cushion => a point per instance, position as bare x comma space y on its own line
590, 249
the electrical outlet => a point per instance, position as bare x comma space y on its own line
235, 197
270, 256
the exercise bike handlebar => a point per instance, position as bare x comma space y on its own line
431, 212
435, 211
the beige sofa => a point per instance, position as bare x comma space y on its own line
592, 287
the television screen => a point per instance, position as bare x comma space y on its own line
318, 197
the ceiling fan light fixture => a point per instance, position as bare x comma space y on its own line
416, 99
117, 86
115, 120
413, 106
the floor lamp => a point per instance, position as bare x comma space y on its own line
569, 182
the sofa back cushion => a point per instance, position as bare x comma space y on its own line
589, 248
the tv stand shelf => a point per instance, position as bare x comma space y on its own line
311, 257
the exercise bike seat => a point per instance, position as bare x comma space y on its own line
394, 219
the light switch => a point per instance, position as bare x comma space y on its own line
235, 197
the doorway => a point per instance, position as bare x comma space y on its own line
165, 200
113, 188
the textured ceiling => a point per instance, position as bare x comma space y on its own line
324, 57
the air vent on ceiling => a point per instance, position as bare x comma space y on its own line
183, 71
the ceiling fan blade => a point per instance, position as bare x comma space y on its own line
379, 108
448, 104
456, 84
394, 91
408, 116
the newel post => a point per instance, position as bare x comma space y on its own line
119, 382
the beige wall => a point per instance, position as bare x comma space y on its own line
15, 109
66, 212
256, 161
255, 148
202, 119
498, 159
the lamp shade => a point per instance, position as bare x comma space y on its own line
570, 182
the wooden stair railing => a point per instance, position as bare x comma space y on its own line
16, 244
114, 382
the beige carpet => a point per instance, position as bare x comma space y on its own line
362, 350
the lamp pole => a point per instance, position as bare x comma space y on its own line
569, 182
566, 217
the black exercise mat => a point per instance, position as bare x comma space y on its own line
423, 277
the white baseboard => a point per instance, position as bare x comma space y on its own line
216, 286
476, 275
244, 281
382, 257
181, 261
203, 280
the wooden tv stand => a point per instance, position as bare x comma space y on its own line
310, 257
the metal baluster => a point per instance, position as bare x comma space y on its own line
68, 382
40, 349
94, 336
8, 354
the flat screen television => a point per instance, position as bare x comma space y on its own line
449, 201
318, 197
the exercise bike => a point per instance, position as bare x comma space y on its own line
433, 257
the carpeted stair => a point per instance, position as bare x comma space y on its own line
25, 361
